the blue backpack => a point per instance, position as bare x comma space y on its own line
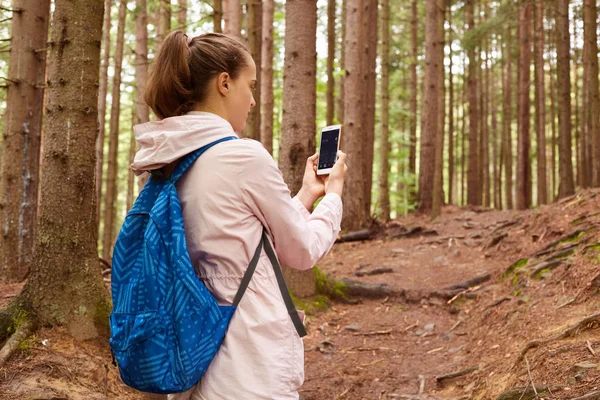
166, 327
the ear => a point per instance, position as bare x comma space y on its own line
223, 82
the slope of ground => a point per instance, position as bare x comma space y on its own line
537, 281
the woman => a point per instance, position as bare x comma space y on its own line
201, 89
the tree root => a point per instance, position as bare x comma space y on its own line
562, 335
22, 332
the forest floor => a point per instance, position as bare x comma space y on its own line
530, 317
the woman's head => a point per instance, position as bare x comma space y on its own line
211, 72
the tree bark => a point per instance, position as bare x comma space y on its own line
451, 168
233, 18
21, 140
369, 60
438, 176
384, 149
354, 135
102, 104
430, 111
340, 107
110, 200
329, 95
266, 76
579, 160
130, 174
553, 143
218, 16
182, 14
299, 111
142, 111
591, 40
473, 183
484, 143
65, 286
566, 186
540, 97
523, 120
507, 120
496, 147
163, 23
412, 166
254, 42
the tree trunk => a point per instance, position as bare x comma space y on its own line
451, 169
65, 285
496, 149
182, 14
507, 120
591, 39
110, 200
438, 176
384, 149
217, 15
354, 98
473, 183
22, 133
163, 23
577, 171
540, 102
266, 76
463, 142
299, 111
370, 71
553, 143
329, 96
430, 109
233, 18
142, 111
254, 42
412, 166
584, 168
523, 120
484, 144
130, 174
563, 78
102, 104
340, 107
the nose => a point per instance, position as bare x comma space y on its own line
253, 102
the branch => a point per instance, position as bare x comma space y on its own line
11, 344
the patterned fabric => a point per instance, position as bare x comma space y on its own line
166, 327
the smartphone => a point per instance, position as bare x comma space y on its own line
328, 148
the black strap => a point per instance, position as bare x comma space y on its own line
287, 299
283, 288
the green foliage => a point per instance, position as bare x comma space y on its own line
328, 286
19, 319
514, 268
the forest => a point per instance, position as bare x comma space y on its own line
485, 112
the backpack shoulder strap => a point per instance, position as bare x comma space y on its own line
189, 159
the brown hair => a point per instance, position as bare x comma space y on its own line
183, 68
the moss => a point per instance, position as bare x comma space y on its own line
540, 274
327, 286
513, 268
18, 320
572, 238
26, 344
102, 315
311, 305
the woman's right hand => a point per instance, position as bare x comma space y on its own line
335, 181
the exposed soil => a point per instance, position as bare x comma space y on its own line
397, 347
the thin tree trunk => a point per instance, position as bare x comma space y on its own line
591, 40
354, 96
142, 111
578, 169
102, 103
298, 128
384, 149
330, 59
130, 174
182, 14
507, 121
254, 42
370, 65
413, 89
540, 105
438, 177
496, 151
484, 120
463, 143
566, 186
110, 200
233, 18
266, 76
163, 22
340, 107
65, 286
451, 169
217, 15
523, 162
473, 184
431, 102
21, 140
554, 140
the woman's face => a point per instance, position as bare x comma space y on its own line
241, 96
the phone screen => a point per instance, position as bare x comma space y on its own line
329, 148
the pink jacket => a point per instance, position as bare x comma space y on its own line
227, 196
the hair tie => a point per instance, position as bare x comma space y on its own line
189, 39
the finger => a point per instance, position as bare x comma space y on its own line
313, 157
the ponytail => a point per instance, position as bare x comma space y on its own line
181, 72
169, 89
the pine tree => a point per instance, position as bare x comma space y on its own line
473, 182
540, 104
254, 18
21, 140
142, 111
266, 76
384, 149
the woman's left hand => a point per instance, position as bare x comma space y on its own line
313, 185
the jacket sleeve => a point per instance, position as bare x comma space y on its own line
300, 238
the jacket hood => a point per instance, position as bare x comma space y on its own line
162, 142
